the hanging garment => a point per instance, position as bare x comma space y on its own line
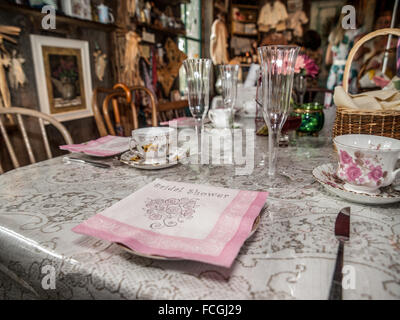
272, 17
340, 53
296, 21
219, 43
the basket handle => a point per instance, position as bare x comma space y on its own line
358, 44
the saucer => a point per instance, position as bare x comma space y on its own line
156, 257
132, 159
326, 175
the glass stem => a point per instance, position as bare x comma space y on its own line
273, 145
198, 135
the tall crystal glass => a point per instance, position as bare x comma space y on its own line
198, 73
229, 78
277, 69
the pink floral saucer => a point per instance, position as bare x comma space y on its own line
326, 175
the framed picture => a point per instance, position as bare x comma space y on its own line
63, 78
77, 8
39, 3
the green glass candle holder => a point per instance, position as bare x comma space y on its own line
312, 118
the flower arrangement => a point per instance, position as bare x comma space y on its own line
306, 66
66, 69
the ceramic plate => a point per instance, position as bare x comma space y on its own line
132, 160
253, 230
326, 175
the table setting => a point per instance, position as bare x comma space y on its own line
146, 217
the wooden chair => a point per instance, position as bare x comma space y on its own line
42, 117
170, 110
119, 91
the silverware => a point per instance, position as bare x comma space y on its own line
93, 163
342, 233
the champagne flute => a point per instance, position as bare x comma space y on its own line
198, 80
277, 69
229, 78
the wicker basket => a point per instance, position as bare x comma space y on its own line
350, 121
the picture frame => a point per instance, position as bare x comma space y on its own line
81, 9
63, 77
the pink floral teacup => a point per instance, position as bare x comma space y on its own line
367, 162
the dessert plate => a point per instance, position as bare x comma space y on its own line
253, 230
132, 159
326, 175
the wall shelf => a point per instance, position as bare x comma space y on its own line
60, 18
171, 31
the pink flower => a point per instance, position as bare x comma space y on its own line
306, 66
311, 67
345, 157
376, 173
299, 64
353, 172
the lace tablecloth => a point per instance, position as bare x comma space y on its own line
291, 255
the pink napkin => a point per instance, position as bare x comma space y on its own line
104, 147
182, 121
180, 220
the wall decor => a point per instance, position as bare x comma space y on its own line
63, 78
77, 8
16, 74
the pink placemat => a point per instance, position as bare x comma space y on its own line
180, 220
104, 147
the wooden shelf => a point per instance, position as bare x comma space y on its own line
60, 18
245, 21
249, 35
246, 6
175, 32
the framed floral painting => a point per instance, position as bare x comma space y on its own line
63, 78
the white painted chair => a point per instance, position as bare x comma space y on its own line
42, 117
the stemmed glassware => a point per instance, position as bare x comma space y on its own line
277, 69
229, 78
198, 82
300, 87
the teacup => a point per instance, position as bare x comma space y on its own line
153, 144
221, 117
367, 162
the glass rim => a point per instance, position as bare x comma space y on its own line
229, 66
283, 46
196, 59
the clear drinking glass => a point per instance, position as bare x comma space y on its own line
229, 78
277, 69
300, 87
198, 82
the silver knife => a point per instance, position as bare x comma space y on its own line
342, 233
93, 163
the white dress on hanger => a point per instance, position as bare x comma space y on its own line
272, 17
219, 43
